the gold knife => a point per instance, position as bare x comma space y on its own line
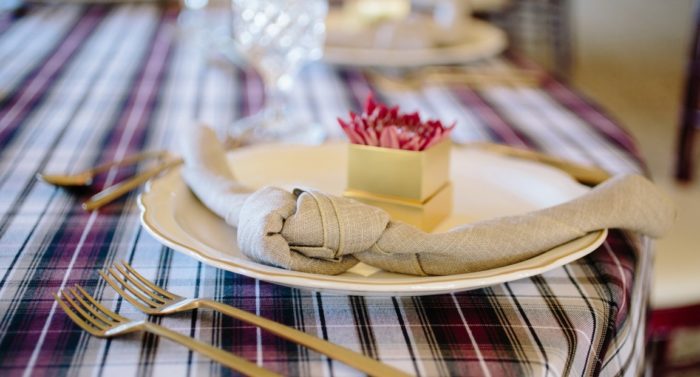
588, 175
113, 192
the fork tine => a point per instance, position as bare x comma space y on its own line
83, 323
125, 283
154, 295
114, 317
94, 313
149, 283
124, 294
78, 305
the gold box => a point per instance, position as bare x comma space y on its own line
411, 186
398, 173
425, 215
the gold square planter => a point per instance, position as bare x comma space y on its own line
411, 186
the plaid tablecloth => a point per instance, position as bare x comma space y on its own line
81, 85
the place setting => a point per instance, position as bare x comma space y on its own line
397, 210
498, 199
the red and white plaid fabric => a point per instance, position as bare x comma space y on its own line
81, 85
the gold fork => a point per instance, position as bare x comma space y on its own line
151, 299
99, 321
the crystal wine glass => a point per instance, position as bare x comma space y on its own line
278, 37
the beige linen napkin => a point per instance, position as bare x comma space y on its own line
314, 232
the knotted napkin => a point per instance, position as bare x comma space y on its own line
314, 232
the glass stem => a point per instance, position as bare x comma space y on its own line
277, 89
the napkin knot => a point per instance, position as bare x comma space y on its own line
298, 231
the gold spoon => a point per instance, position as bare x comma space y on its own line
84, 178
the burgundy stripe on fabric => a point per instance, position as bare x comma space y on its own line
490, 332
664, 321
236, 336
451, 336
15, 108
253, 96
359, 87
6, 19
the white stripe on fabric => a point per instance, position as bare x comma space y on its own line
16, 37
44, 37
340, 326
390, 343
468, 127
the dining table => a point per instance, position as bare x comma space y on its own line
83, 84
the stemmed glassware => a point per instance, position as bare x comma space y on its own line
278, 37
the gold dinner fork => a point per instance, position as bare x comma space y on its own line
151, 299
99, 321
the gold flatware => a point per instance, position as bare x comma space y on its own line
588, 175
474, 77
99, 321
151, 299
111, 193
114, 192
85, 177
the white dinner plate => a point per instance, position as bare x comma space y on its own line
481, 40
485, 186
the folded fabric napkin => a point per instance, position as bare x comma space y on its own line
314, 232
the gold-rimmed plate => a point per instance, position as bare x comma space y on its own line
485, 185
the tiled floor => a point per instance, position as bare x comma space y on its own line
630, 58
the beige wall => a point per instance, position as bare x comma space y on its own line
642, 40
631, 57
631, 54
